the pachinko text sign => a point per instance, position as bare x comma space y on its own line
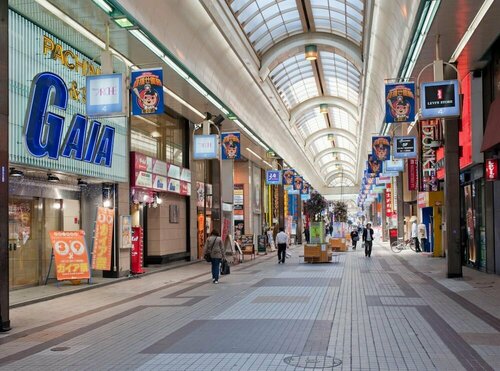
400, 102
147, 91
101, 254
70, 254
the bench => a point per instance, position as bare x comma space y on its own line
248, 250
335, 258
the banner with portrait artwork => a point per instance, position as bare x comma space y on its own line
374, 166
231, 146
298, 183
288, 175
147, 91
400, 102
381, 148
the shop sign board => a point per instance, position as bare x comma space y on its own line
205, 147
429, 181
273, 177
238, 202
231, 145
439, 99
186, 175
400, 102
491, 169
412, 174
159, 182
103, 239
388, 201
105, 96
146, 87
393, 165
143, 179
174, 185
70, 255
185, 188
158, 167
125, 231
381, 147
405, 147
174, 171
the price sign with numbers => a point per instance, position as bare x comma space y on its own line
273, 177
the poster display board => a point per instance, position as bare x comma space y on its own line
231, 146
147, 91
400, 102
103, 239
317, 232
126, 231
70, 255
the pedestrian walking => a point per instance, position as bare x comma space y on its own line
354, 238
368, 239
414, 234
282, 242
215, 249
307, 234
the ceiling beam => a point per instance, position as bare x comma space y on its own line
340, 44
327, 151
344, 164
336, 102
332, 174
335, 131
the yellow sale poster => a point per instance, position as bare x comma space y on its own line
70, 253
103, 239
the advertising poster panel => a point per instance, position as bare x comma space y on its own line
231, 146
70, 255
405, 147
147, 91
288, 176
101, 253
400, 102
381, 148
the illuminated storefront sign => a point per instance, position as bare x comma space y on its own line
44, 129
439, 99
405, 147
429, 180
205, 147
491, 169
105, 96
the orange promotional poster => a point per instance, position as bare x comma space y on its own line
70, 252
101, 255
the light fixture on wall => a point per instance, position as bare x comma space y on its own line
330, 137
82, 183
155, 134
311, 52
57, 205
323, 108
106, 203
15, 173
158, 199
52, 178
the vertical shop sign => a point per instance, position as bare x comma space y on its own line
231, 146
147, 91
125, 231
491, 169
105, 96
374, 166
412, 174
103, 239
70, 254
429, 181
400, 102
273, 177
388, 201
405, 147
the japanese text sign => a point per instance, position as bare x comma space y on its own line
491, 169
205, 147
103, 239
273, 177
400, 102
70, 254
147, 91
105, 95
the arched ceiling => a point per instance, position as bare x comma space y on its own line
278, 31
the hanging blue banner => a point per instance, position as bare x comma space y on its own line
273, 177
288, 176
231, 146
298, 183
400, 102
381, 148
147, 91
374, 166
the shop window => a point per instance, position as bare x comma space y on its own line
143, 144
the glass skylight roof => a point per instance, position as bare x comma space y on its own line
341, 77
294, 80
310, 122
342, 17
342, 120
265, 22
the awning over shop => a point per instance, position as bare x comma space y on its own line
491, 136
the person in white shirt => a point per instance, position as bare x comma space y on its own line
414, 235
282, 242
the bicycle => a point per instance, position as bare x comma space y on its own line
401, 244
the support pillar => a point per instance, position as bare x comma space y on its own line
383, 219
400, 205
4, 168
281, 200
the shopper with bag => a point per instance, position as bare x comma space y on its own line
214, 251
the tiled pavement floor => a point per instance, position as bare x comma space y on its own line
387, 312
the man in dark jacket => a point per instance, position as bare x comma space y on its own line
368, 239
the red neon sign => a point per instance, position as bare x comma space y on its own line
491, 169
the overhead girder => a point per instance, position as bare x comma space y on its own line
344, 164
324, 132
334, 150
347, 48
337, 102
332, 174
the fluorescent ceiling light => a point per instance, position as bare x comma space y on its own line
197, 86
267, 163
255, 154
175, 67
472, 27
139, 35
123, 22
155, 134
103, 5
251, 135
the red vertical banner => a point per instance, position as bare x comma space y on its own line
491, 169
103, 239
388, 201
412, 174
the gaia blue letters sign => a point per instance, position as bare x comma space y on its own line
43, 133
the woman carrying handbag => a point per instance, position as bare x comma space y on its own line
214, 249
